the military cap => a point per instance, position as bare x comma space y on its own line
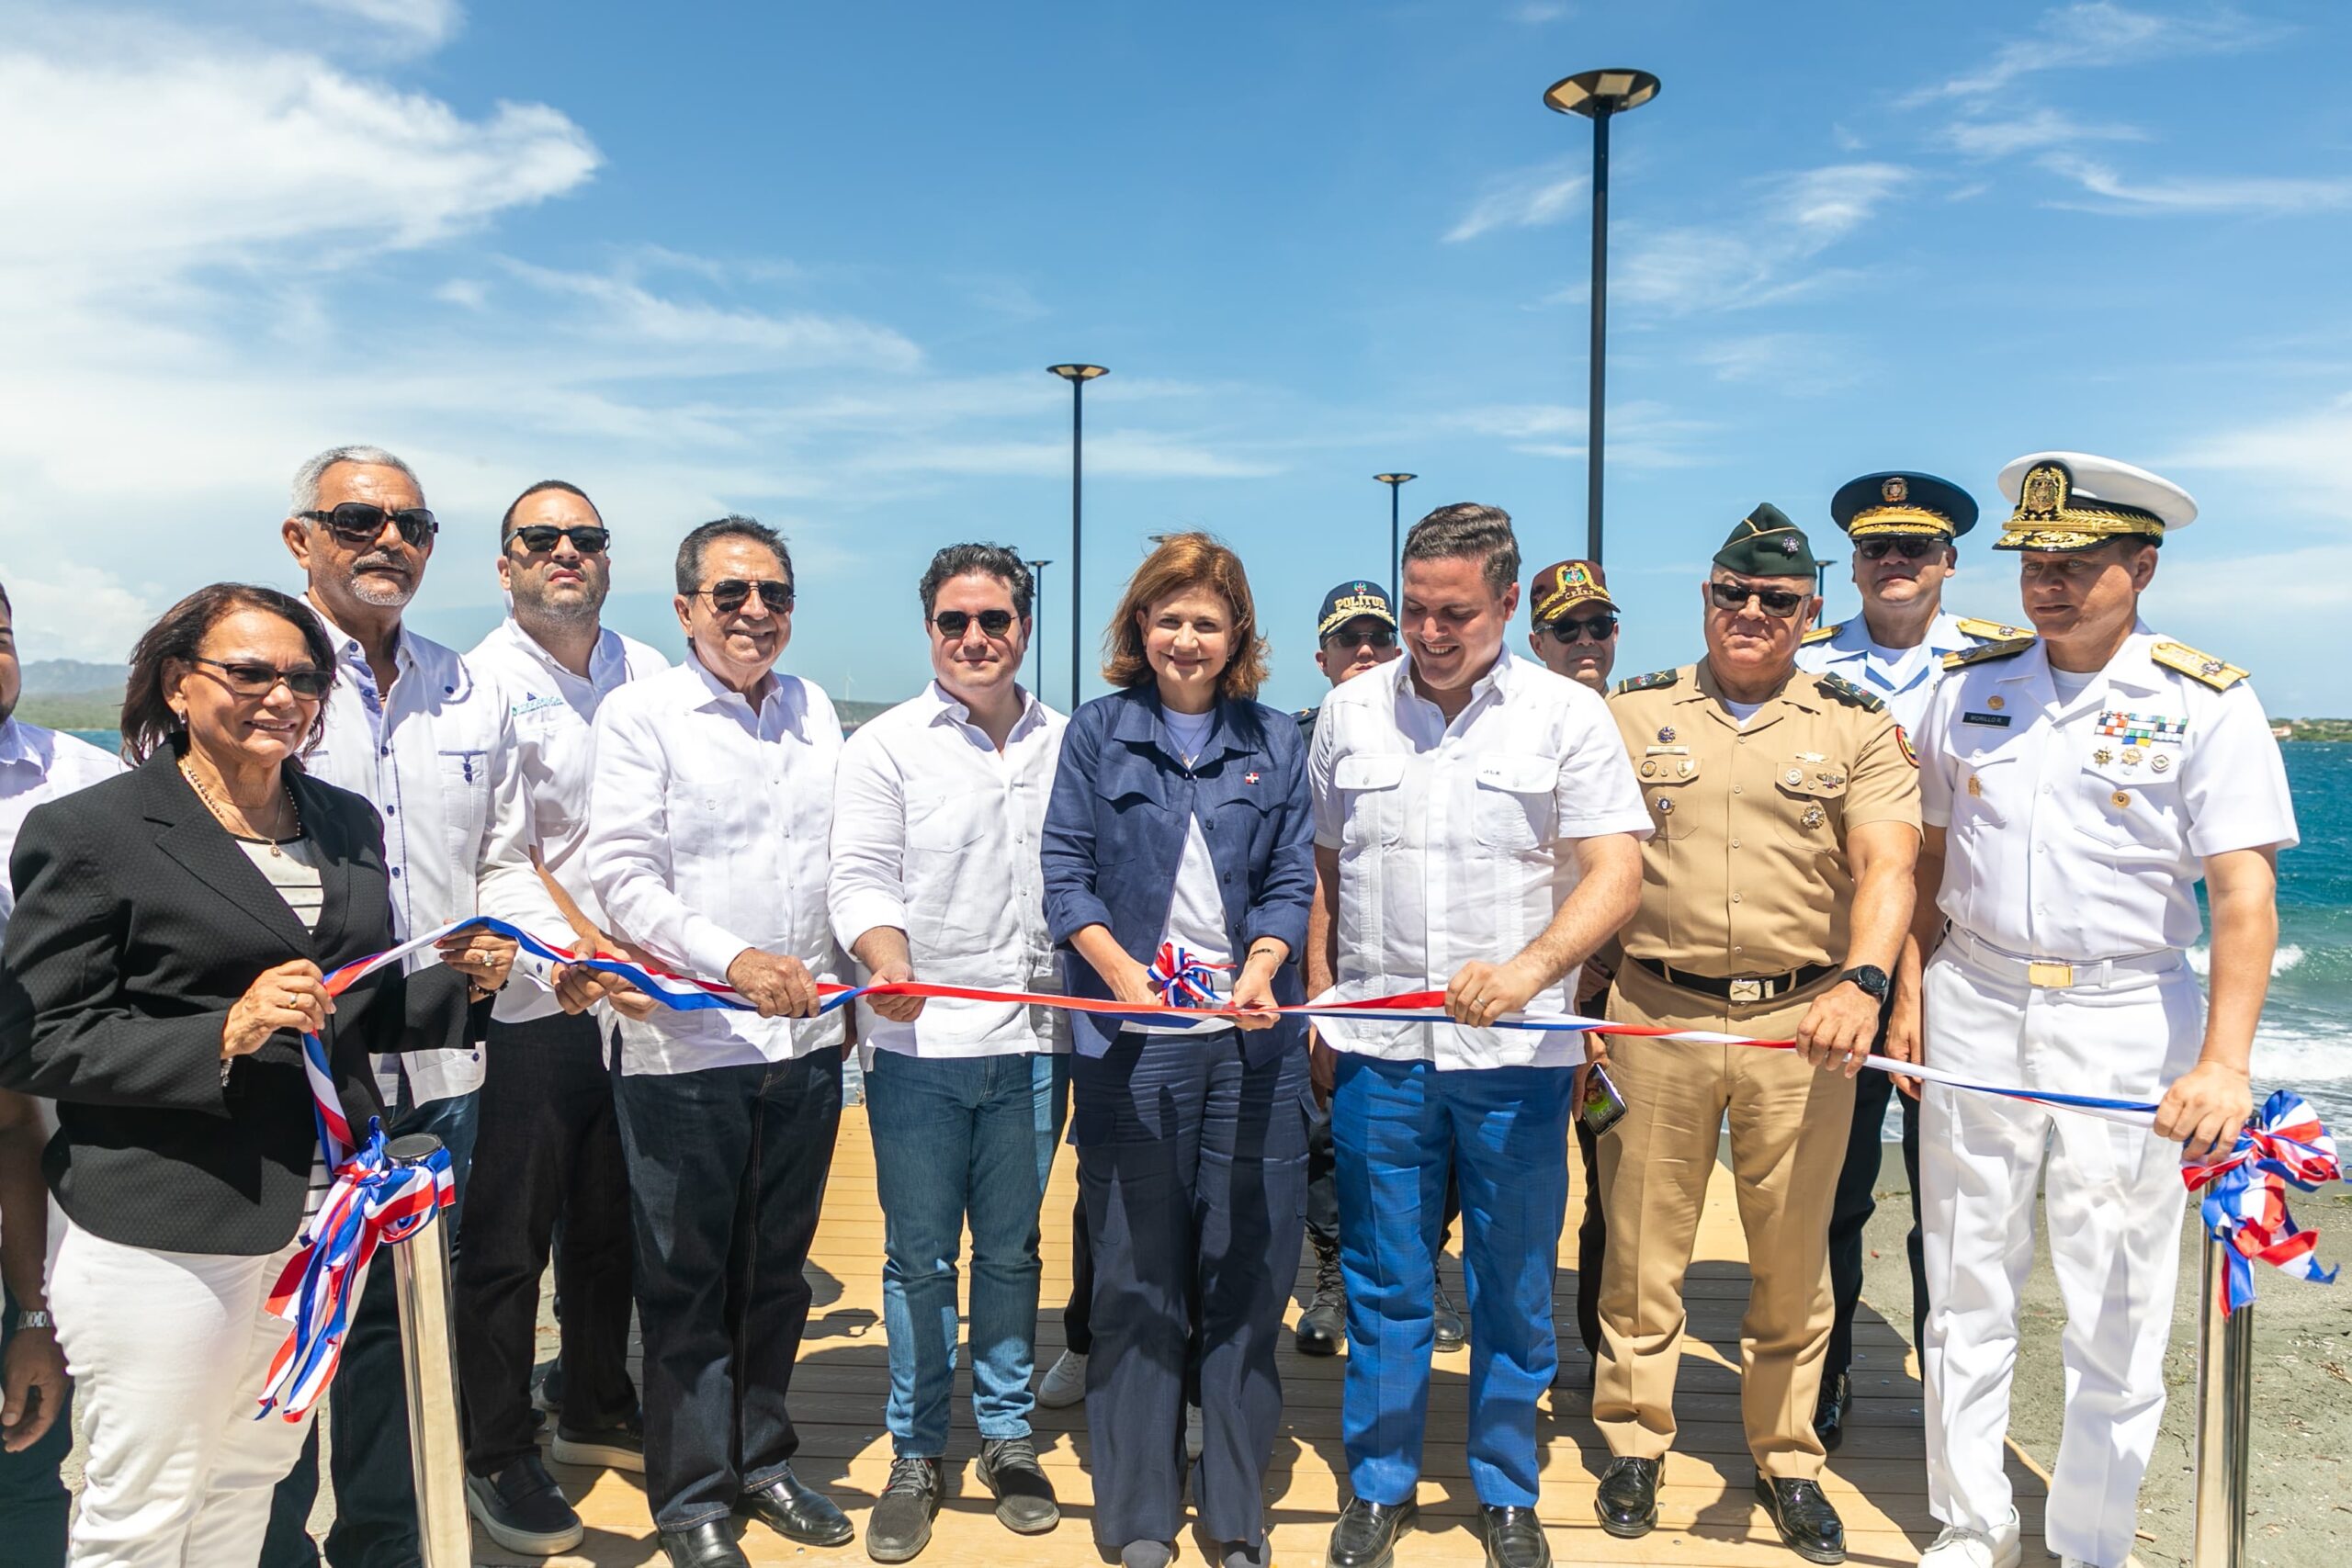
1564, 585
1766, 543
2072, 501
1897, 502
1347, 601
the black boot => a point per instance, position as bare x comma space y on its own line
1829, 1410
1627, 1500
1323, 1326
1804, 1519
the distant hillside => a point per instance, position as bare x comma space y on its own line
72, 677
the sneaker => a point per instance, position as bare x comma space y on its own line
523, 1509
1194, 1439
1323, 1326
900, 1526
1064, 1383
615, 1448
1960, 1548
1449, 1334
1025, 1498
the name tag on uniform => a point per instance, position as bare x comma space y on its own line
1991, 720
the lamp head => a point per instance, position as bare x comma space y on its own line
1393, 479
1595, 93
1078, 372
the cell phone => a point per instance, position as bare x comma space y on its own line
1603, 1107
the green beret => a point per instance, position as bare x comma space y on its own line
1766, 543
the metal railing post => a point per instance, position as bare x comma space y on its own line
437, 1452
2224, 1418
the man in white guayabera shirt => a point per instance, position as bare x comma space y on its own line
708, 825
936, 878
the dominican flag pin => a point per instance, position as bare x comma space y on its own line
1249, 778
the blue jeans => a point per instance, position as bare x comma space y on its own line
956, 1138
33, 1502
1396, 1127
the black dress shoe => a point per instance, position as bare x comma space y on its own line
710, 1545
797, 1512
1804, 1519
1627, 1500
1323, 1326
1829, 1411
1446, 1329
1514, 1539
1366, 1535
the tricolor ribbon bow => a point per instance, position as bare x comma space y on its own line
2246, 1195
371, 1202
1183, 981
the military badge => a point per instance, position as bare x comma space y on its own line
1815, 817
1666, 735
1896, 489
1903, 744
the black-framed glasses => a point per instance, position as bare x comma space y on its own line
361, 522
1382, 638
540, 538
1599, 627
1779, 602
250, 678
953, 623
730, 594
1913, 547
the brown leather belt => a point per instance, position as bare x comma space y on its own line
1747, 988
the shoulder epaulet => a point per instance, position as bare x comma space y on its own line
1823, 634
2197, 665
1649, 682
1844, 690
1990, 631
1986, 652
1305, 717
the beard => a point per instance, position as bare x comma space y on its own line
571, 612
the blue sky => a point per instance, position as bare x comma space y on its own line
809, 262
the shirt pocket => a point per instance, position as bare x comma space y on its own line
1673, 807
1515, 807
943, 824
1811, 800
2132, 811
1985, 792
1370, 799
463, 777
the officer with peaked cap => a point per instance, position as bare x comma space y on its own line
1776, 893
1903, 524
2077, 786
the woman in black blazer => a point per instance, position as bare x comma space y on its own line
171, 931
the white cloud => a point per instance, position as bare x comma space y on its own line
1784, 362
2271, 196
1534, 13
724, 337
1124, 453
422, 24
469, 292
2303, 461
1525, 199
1642, 434
2031, 132
69, 610
1767, 257
2093, 34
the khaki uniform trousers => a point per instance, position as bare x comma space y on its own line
1789, 1122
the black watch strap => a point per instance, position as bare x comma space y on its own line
1870, 979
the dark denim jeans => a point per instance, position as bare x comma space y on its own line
726, 1170
549, 1148
33, 1501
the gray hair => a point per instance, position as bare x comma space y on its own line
987, 560
307, 477
1466, 529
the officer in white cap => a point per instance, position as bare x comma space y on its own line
2077, 786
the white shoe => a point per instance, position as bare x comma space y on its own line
1193, 1437
1960, 1548
1064, 1383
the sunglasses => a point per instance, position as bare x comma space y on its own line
1780, 602
1599, 627
540, 538
953, 623
730, 594
254, 680
1380, 637
1909, 548
361, 522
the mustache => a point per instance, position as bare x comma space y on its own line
381, 561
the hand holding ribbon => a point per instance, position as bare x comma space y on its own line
1181, 980
2246, 1195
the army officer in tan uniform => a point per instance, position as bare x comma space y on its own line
1775, 895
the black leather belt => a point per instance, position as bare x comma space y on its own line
1747, 988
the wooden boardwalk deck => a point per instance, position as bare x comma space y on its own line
1710, 1518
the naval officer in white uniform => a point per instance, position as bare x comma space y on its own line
2076, 784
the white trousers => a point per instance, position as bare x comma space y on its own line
169, 1351
2114, 1200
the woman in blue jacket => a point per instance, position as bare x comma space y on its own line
1180, 818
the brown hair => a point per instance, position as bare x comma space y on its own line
1182, 562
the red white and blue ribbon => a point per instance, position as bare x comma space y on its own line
2244, 1206
1183, 981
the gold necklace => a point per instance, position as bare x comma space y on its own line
222, 816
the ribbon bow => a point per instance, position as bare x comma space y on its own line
2246, 1195
1183, 981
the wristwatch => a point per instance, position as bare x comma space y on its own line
1870, 979
35, 1317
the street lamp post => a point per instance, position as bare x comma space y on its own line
1037, 625
1395, 483
1078, 376
1599, 95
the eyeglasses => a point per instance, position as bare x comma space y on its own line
1381, 638
1780, 602
361, 522
730, 594
1911, 548
953, 623
1599, 627
246, 679
540, 538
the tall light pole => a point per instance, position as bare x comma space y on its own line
1599, 95
1037, 625
1395, 482
1078, 376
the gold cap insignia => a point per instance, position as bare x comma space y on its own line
1896, 489
2050, 517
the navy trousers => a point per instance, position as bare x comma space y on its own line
1192, 1161
1855, 1204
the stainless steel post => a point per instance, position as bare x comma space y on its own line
2224, 1418
436, 1453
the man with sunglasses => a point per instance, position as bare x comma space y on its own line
710, 826
412, 729
548, 1147
1776, 894
1903, 524
936, 877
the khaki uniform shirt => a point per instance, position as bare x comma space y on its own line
1746, 872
